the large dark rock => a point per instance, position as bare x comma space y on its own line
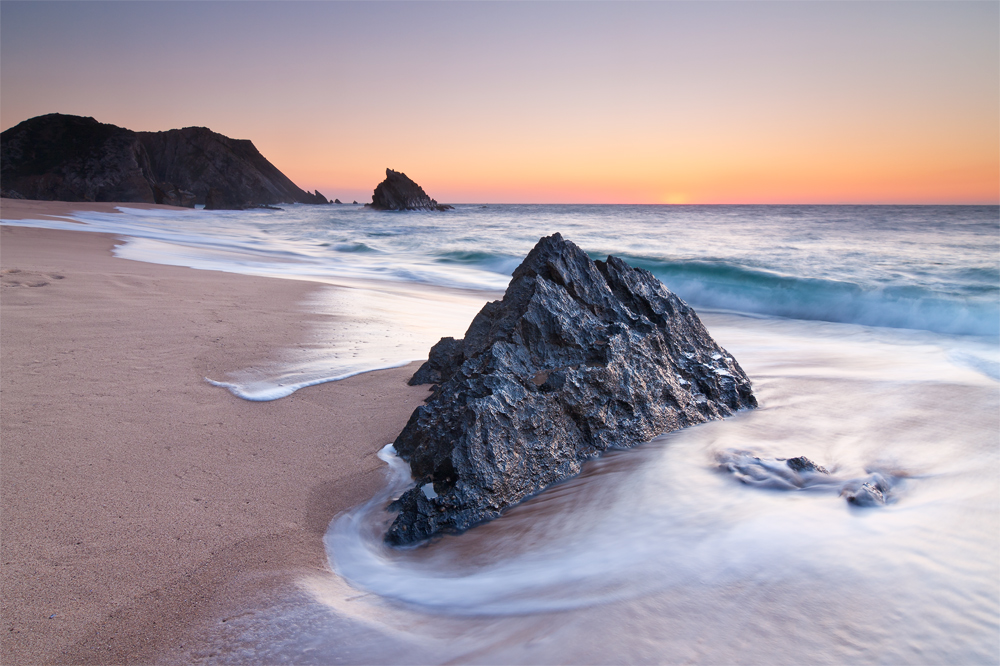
197, 159
71, 158
397, 192
578, 357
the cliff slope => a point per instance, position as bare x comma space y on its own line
72, 158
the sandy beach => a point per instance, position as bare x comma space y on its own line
138, 501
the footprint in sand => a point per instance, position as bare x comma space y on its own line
15, 277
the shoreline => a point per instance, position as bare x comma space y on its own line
140, 501
31, 209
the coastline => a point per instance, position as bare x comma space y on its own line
140, 501
23, 209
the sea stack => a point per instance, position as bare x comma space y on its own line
579, 357
397, 192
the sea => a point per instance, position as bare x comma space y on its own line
871, 335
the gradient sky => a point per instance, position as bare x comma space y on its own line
618, 102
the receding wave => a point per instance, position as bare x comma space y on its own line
354, 247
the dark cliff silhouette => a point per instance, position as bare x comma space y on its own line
74, 158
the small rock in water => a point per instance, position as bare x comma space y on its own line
873, 492
803, 464
578, 357
801, 473
791, 474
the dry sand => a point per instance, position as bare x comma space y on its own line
137, 500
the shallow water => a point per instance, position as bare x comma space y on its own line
655, 554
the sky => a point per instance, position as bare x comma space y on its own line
545, 102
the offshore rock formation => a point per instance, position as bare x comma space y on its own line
578, 357
72, 158
397, 192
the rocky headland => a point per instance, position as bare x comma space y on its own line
397, 192
60, 157
579, 357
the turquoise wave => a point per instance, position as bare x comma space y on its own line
975, 311
972, 309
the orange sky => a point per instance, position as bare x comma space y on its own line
546, 102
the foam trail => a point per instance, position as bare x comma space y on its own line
356, 330
275, 388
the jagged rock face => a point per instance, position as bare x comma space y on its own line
71, 158
397, 192
578, 357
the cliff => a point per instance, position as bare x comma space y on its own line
72, 158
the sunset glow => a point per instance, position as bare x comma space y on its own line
549, 102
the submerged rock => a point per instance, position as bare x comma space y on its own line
803, 474
871, 492
397, 192
803, 464
578, 357
781, 473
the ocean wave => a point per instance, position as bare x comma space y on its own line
908, 278
493, 262
726, 286
354, 247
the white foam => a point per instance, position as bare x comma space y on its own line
660, 520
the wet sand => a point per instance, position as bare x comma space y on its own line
139, 502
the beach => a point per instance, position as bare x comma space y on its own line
195, 469
138, 500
